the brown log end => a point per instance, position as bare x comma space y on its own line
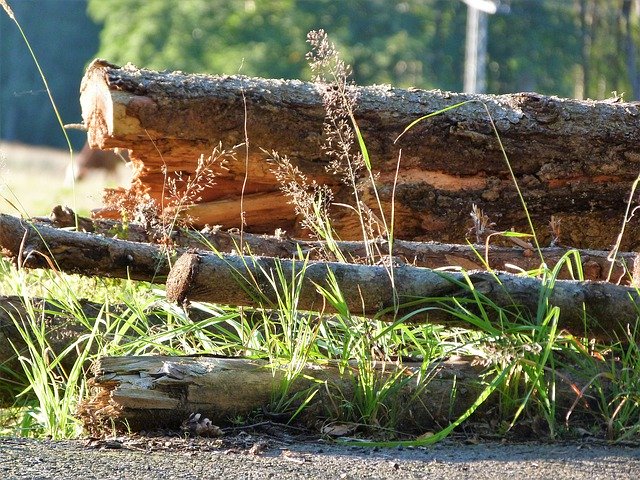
181, 276
95, 99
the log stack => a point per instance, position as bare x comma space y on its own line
574, 160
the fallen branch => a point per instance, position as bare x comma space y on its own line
591, 309
594, 263
33, 245
367, 289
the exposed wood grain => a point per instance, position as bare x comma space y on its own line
161, 392
575, 160
63, 327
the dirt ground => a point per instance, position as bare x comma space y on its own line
250, 457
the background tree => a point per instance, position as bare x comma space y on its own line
407, 43
570, 48
534, 48
609, 35
216, 36
64, 40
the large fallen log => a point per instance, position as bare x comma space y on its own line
594, 263
575, 160
586, 309
141, 393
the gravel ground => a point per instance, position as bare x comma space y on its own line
171, 458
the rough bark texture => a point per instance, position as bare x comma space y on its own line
34, 245
592, 309
367, 289
149, 392
573, 159
594, 263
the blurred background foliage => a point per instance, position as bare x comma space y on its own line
562, 47
570, 48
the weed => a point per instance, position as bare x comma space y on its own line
341, 134
57, 391
613, 389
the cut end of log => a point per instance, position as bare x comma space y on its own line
97, 108
181, 276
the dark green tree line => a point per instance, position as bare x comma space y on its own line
406, 43
63, 39
563, 47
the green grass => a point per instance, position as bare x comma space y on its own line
522, 354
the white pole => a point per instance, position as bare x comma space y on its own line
471, 51
487, 6
475, 61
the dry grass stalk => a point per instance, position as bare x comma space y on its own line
312, 201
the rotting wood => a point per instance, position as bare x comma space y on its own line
586, 309
575, 160
160, 392
63, 327
594, 263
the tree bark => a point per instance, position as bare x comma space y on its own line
594, 263
593, 309
194, 276
34, 245
142, 393
575, 160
